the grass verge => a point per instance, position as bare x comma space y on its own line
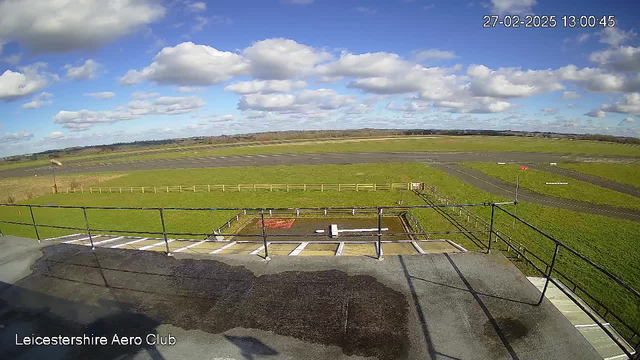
623, 173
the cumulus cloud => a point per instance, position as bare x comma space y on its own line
61, 26
628, 104
435, 54
570, 95
144, 95
627, 121
511, 82
26, 81
195, 6
101, 95
512, 7
624, 58
17, 137
548, 111
38, 101
188, 64
305, 101
265, 86
407, 107
596, 114
615, 36
85, 119
56, 135
86, 71
280, 59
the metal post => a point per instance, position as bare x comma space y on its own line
548, 276
164, 231
86, 222
493, 208
264, 236
379, 234
515, 206
33, 219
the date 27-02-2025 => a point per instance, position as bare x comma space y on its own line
549, 21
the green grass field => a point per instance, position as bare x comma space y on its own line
623, 173
535, 180
608, 241
440, 143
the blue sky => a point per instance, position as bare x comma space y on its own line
96, 72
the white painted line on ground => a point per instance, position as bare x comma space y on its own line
128, 243
76, 240
456, 246
190, 246
590, 326
254, 252
156, 244
417, 247
223, 248
60, 237
106, 241
339, 250
299, 249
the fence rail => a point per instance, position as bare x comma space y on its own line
241, 187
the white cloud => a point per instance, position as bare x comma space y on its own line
628, 104
12, 60
60, 26
196, 6
85, 119
56, 135
166, 106
435, 54
144, 95
101, 95
17, 137
86, 71
582, 38
306, 101
188, 64
511, 82
408, 107
570, 95
189, 89
38, 101
200, 23
281, 59
595, 79
624, 58
548, 111
596, 114
627, 121
365, 65
14, 85
265, 86
615, 36
512, 7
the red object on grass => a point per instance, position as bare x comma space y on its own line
276, 223
524, 168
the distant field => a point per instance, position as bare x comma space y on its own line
624, 173
439, 143
608, 241
534, 180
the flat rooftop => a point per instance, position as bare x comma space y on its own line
427, 306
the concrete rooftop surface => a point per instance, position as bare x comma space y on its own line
433, 306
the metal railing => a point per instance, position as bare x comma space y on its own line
238, 187
379, 212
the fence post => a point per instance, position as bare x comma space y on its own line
222, 188
379, 234
86, 222
90, 190
164, 231
100, 190
143, 189
493, 208
194, 188
209, 188
264, 237
33, 220
548, 276
81, 190
339, 187
155, 190
321, 187
181, 188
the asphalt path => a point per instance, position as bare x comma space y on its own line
313, 159
499, 187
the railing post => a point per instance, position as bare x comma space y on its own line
33, 220
164, 231
548, 276
264, 236
86, 223
493, 208
379, 234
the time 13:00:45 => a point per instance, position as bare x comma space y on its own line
549, 21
